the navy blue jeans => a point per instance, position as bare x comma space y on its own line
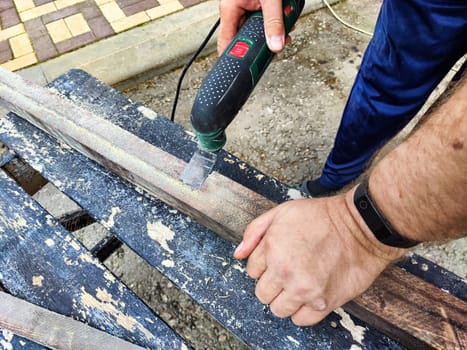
415, 44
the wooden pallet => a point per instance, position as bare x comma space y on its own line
192, 256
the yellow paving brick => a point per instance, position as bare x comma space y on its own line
164, 2
23, 5
58, 31
10, 32
37, 11
21, 45
77, 24
129, 22
102, 2
20, 62
112, 12
60, 4
163, 10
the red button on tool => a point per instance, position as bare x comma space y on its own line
288, 10
240, 49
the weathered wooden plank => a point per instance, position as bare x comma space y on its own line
395, 331
42, 263
54, 330
194, 258
134, 159
424, 314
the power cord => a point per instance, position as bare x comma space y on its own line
344, 22
187, 66
210, 34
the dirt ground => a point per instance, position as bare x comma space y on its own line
285, 129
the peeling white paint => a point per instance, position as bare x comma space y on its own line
168, 263
357, 332
109, 277
50, 242
238, 267
8, 335
91, 260
111, 220
58, 184
103, 295
160, 233
148, 113
231, 161
37, 281
108, 307
293, 193
293, 340
5, 345
18, 222
75, 245
70, 262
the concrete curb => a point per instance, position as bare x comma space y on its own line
142, 52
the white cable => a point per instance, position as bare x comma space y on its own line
344, 22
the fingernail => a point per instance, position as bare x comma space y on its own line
276, 42
239, 248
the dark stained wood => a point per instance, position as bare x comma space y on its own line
54, 330
226, 207
409, 308
42, 263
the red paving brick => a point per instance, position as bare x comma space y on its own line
5, 51
9, 17
100, 27
35, 28
89, 9
44, 48
75, 42
6, 4
130, 7
42, 2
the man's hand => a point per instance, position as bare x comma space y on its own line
233, 14
311, 256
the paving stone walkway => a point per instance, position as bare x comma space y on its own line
33, 31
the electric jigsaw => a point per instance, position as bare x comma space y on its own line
227, 87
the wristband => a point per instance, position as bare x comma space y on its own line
381, 228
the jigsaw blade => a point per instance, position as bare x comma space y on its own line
199, 168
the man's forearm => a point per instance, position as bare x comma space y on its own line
421, 186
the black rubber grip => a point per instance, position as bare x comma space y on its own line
233, 77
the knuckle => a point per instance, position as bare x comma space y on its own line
273, 22
261, 297
279, 310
